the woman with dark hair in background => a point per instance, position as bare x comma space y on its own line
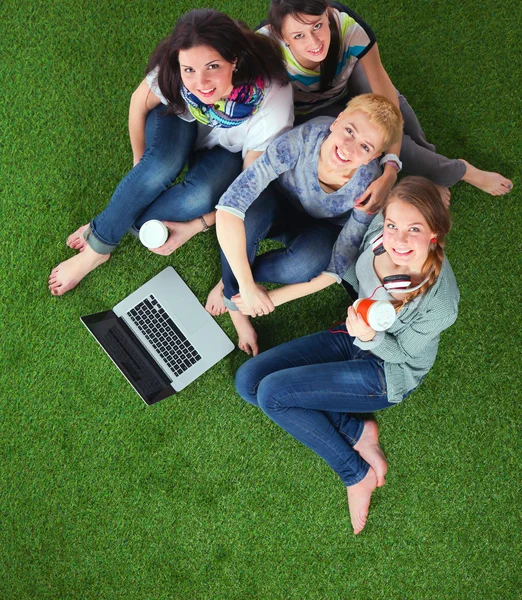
331, 55
215, 96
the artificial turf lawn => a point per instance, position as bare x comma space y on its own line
201, 496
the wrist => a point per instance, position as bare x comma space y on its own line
367, 339
390, 172
203, 225
392, 161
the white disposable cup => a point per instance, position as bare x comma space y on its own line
378, 314
153, 234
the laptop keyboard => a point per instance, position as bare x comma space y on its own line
163, 334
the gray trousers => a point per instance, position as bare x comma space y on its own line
418, 156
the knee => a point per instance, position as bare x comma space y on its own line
202, 192
158, 171
269, 392
247, 382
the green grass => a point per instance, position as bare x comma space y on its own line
201, 496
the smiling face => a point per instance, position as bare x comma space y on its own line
205, 73
406, 236
354, 141
308, 37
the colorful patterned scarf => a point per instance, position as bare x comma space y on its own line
241, 104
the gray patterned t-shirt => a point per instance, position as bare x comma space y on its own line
293, 160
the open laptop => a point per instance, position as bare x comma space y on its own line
160, 337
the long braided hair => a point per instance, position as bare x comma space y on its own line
425, 197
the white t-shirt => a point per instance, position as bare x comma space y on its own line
274, 115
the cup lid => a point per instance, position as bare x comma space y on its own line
153, 234
381, 315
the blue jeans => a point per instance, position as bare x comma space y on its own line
311, 386
308, 243
144, 193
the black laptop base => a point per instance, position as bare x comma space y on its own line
127, 353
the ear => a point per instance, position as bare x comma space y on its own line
336, 121
284, 40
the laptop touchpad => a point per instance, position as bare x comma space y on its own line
187, 310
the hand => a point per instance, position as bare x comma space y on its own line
357, 326
244, 309
179, 234
376, 192
253, 301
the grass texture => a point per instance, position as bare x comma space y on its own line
201, 496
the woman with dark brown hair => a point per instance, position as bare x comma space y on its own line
215, 96
331, 54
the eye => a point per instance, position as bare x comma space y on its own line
213, 67
317, 26
390, 226
349, 131
365, 147
414, 229
188, 70
298, 36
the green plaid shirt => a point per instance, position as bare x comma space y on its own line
410, 346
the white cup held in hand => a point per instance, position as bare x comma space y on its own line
153, 234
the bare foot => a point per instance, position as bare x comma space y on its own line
215, 305
76, 241
369, 450
179, 233
247, 336
359, 496
487, 181
69, 273
445, 194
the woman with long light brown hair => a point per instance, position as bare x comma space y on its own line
313, 386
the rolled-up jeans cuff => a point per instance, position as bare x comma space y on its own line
98, 245
229, 304
358, 434
133, 230
359, 476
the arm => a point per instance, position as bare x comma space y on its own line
347, 246
410, 343
256, 176
250, 157
290, 292
231, 236
232, 207
299, 290
142, 101
344, 254
182, 232
380, 83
